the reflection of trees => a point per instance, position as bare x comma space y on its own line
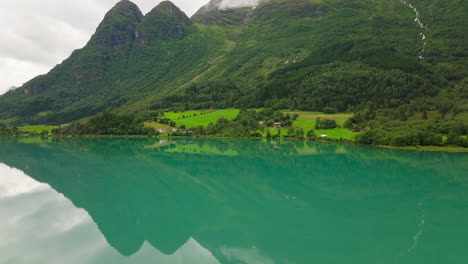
267, 197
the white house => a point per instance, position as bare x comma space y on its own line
162, 130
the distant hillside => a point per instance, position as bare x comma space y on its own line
302, 54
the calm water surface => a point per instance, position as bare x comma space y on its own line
229, 201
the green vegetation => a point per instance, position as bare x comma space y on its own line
261, 123
421, 123
37, 129
319, 58
180, 115
325, 124
108, 123
328, 56
200, 118
337, 133
9, 131
26, 130
245, 124
157, 126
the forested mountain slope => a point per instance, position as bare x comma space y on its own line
302, 54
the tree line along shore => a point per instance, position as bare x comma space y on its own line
429, 130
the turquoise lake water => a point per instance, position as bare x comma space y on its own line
205, 201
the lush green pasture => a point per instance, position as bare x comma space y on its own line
305, 120
37, 129
186, 114
202, 119
312, 116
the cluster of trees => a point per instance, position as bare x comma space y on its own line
166, 121
400, 138
270, 116
458, 138
325, 124
108, 123
424, 122
8, 131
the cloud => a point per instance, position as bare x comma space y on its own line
39, 34
226, 4
14, 72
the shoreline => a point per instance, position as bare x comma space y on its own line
442, 149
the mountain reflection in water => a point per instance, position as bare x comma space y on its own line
44, 227
235, 201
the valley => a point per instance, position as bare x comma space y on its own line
398, 69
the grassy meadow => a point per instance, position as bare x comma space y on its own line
201, 118
305, 120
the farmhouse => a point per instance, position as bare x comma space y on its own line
162, 130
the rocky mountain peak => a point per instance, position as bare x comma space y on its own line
165, 21
119, 25
167, 10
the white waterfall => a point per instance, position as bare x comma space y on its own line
421, 25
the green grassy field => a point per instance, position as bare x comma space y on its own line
37, 129
186, 114
201, 119
306, 121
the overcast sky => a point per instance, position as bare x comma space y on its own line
38, 34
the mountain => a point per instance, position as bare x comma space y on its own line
303, 54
